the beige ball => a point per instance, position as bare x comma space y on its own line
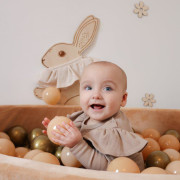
151, 133
57, 120
46, 158
68, 159
21, 151
173, 154
123, 164
32, 153
168, 142
173, 167
151, 146
7, 147
154, 170
51, 95
4, 135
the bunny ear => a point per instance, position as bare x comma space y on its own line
85, 33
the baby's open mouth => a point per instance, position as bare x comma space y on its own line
97, 106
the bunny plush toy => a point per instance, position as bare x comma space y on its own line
64, 63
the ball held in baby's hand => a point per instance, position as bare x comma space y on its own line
52, 126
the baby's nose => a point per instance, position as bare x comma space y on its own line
97, 95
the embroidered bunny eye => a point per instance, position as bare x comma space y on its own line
62, 53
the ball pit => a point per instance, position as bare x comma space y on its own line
30, 117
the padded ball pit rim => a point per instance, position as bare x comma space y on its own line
28, 169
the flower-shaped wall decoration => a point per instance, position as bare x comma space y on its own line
141, 9
148, 100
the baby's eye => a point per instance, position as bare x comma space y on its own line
108, 88
88, 88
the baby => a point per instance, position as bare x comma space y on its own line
101, 131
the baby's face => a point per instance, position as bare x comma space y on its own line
102, 91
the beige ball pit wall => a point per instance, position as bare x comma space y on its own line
12, 168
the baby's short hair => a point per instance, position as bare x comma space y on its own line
107, 63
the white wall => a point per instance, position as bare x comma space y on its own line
148, 49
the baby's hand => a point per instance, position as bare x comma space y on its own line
70, 135
45, 122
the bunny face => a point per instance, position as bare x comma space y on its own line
60, 54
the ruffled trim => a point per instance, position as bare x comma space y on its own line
113, 138
64, 75
115, 142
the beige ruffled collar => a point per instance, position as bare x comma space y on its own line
113, 137
64, 75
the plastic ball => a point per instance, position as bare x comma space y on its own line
173, 154
58, 152
18, 135
157, 159
7, 147
168, 142
21, 151
4, 135
152, 145
34, 133
43, 143
46, 157
32, 153
154, 170
123, 164
174, 133
151, 133
57, 120
173, 167
51, 95
68, 159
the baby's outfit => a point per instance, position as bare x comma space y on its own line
106, 140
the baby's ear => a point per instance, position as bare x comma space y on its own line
124, 99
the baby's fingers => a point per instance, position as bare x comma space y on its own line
68, 127
44, 131
45, 122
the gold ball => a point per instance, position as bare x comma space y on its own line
58, 152
51, 95
43, 143
34, 133
68, 159
157, 159
18, 135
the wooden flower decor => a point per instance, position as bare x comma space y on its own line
141, 9
148, 100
